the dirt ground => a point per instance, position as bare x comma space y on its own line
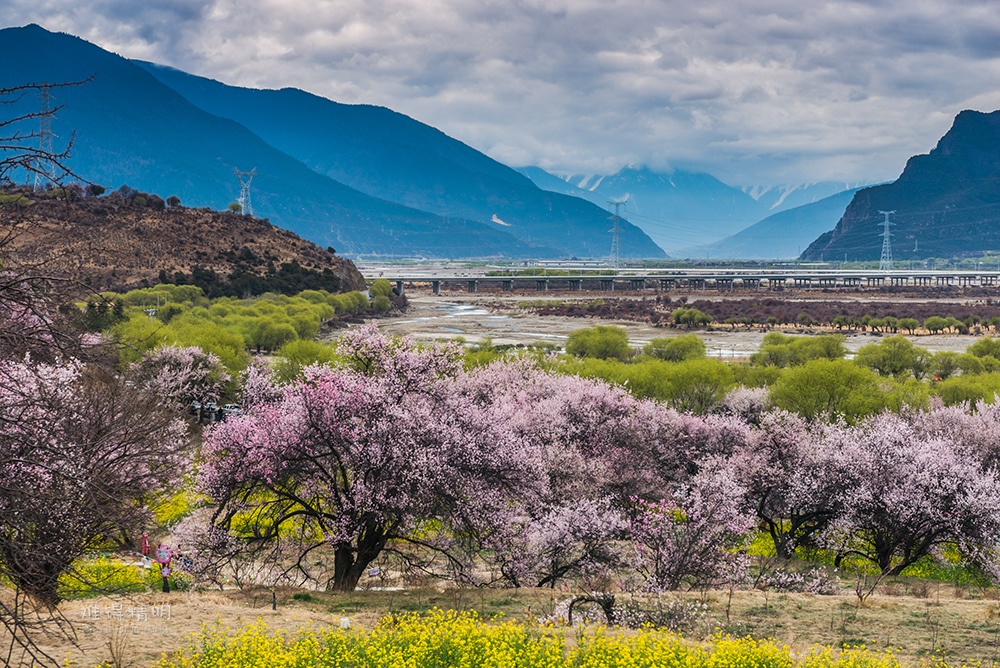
475, 317
919, 620
142, 627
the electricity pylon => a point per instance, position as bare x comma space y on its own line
885, 264
616, 251
246, 207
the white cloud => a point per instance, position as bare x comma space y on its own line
749, 90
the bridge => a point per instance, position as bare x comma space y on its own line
692, 280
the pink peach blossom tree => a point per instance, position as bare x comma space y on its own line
360, 458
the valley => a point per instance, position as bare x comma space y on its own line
407, 400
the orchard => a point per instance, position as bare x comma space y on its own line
382, 458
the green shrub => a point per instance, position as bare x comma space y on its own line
984, 347
968, 389
697, 385
275, 334
676, 349
602, 342
380, 287
782, 350
296, 355
825, 388
935, 324
894, 356
690, 317
17, 200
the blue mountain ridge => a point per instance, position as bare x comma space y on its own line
389, 155
678, 209
129, 128
946, 203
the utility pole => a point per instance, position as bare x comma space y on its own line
616, 252
885, 263
246, 208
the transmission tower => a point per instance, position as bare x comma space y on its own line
44, 138
246, 207
885, 264
616, 250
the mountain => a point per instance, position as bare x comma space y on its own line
785, 197
391, 156
677, 209
130, 128
556, 184
945, 203
781, 235
123, 241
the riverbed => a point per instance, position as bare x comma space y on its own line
474, 318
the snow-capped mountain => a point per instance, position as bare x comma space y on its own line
788, 196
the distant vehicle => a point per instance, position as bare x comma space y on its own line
232, 409
211, 406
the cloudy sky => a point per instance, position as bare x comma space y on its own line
752, 91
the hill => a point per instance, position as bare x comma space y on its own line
119, 242
781, 235
132, 129
946, 203
677, 209
388, 155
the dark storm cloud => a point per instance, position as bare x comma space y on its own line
755, 91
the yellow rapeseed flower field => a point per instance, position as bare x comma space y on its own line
449, 639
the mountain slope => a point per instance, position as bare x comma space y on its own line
130, 128
677, 210
117, 242
391, 156
946, 203
553, 183
781, 235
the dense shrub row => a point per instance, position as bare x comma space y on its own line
842, 315
182, 315
808, 375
